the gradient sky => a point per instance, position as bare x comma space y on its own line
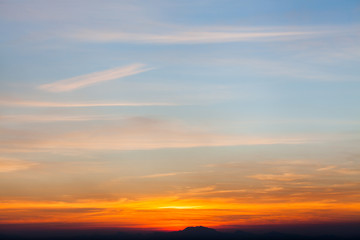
164, 114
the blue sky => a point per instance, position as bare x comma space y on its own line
176, 87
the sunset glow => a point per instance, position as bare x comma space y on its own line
176, 214
159, 115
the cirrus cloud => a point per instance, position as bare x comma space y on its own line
12, 165
74, 83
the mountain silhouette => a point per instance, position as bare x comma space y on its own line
199, 230
189, 233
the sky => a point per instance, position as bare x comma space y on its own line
166, 114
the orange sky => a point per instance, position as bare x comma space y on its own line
175, 214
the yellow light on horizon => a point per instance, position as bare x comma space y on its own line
180, 207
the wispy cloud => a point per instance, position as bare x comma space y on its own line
134, 134
283, 68
335, 169
327, 168
74, 83
279, 177
191, 36
11, 165
273, 189
163, 175
211, 190
81, 104
55, 118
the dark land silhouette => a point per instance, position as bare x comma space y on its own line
189, 233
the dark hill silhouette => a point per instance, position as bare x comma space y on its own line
199, 230
189, 233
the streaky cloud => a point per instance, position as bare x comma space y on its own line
12, 165
189, 36
81, 104
279, 177
159, 175
55, 118
74, 83
136, 134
